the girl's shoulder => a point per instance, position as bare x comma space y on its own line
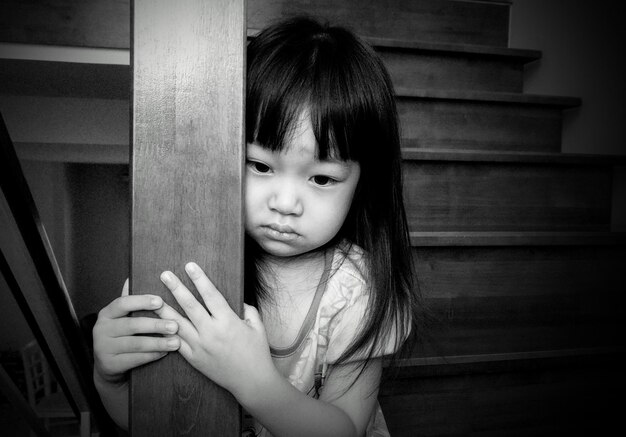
347, 279
350, 261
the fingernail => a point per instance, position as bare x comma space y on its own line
191, 267
172, 343
166, 277
170, 326
155, 301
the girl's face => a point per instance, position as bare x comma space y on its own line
296, 203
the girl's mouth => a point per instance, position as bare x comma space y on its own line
280, 232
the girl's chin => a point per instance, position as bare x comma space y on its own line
281, 249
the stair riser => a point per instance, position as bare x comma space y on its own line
425, 20
541, 400
518, 299
445, 124
426, 70
102, 23
458, 196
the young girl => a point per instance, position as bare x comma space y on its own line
328, 262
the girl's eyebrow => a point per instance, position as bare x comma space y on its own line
345, 164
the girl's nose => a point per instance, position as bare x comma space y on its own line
286, 201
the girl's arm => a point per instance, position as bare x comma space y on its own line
117, 349
235, 354
340, 411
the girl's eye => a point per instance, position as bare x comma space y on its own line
323, 180
259, 167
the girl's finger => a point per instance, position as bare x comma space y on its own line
252, 317
132, 360
194, 310
125, 288
123, 305
141, 325
133, 344
185, 350
213, 299
185, 327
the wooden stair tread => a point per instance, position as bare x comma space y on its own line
74, 152
498, 363
562, 102
510, 356
498, 238
424, 154
522, 55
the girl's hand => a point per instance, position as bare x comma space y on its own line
232, 352
118, 349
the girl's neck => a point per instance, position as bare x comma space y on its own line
296, 274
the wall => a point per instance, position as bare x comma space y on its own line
583, 56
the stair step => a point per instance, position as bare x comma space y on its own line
496, 196
509, 299
433, 65
472, 50
32, 77
494, 238
441, 119
409, 153
554, 394
560, 102
430, 65
447, 21
436, 69
482, 363
101, 25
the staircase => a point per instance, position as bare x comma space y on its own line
512, 238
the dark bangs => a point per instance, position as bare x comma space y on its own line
305, 66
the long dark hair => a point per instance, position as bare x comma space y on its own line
301, 64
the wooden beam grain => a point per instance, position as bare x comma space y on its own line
187, 168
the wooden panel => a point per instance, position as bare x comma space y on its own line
187, 164
489, 300
479, 126
64, 79
427, 20
102, 23
519, 238
577, 397
90, 23
34, 119
473, 196
426, 70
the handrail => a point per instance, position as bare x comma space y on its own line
33, 275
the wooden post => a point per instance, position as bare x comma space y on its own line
188, 61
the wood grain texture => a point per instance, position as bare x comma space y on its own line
475, 196
443, 124
454, 71
64, 79
427, 20
104, 23
88, 23
523, 238
575, 396
491, 300
187, 162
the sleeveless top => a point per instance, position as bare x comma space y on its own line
331, 324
